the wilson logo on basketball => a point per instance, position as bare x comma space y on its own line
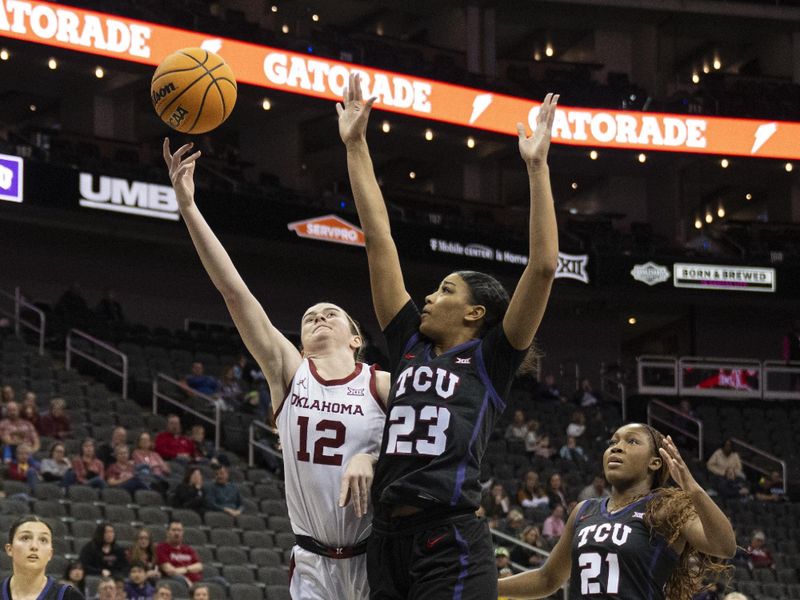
162, 93
329, 228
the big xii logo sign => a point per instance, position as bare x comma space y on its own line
10, 178
570, 266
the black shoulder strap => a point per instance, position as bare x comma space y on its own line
62, 590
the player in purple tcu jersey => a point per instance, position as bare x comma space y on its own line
328, 406
452, 366
646, 541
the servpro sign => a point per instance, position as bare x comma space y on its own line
148, 43
329, 228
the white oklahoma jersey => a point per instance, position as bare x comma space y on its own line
322, 425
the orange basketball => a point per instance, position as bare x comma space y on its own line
193, 90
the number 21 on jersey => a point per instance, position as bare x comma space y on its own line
403, 421
591, 563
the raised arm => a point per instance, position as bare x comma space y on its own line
529, 301
276, 355
541, 582
389, 293
709, 531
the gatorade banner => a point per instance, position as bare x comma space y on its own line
148, 43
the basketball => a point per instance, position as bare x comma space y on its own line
193, 90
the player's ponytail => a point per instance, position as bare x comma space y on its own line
667, 512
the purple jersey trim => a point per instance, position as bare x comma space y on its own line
498, 402
461, 473
464, 562
622, 511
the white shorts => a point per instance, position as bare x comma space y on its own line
316, 577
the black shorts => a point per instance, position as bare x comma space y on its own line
418, 558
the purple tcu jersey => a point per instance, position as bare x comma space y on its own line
616, 555
442, 409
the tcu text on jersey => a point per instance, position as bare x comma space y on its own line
618, 533
423, 378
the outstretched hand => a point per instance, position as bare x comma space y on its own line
181, 172
353, 111
677, 467
534, 149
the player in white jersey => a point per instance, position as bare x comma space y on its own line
330, 420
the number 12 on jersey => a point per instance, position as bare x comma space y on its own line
591, 563
402, 422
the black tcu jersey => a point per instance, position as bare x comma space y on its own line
442, 410
614, 555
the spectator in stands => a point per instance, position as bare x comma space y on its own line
502, 559
548, 389
107, 451
527, 486
724, 458
24, 467
759, 556
230, 389
531, 436
198, 381
15, 431
518, 427
496, 502
515, 523
553, 526
528, 558
735, 596
163, 592
555, 491
170, 444
731, 487
143, 551
122, 473
30, 412
75, 576
770, 488
577, 424
177, 560
57, 467
543, 448
72, 306
55, 423
200, 592
586, 396
109, 309
89, 469
223, 495
137, 587
102, 555
596, 489
7, 394
204, 449
145, 455
190, 493
574, 453
106, 590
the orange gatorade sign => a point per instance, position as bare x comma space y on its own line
148, 43
329, 228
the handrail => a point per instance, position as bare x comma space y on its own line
216, 422
768, 456
73, 350
620, 396
517, 542
777, 367
699, 437
653, 361
253, 443
19, 304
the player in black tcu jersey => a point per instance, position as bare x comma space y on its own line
452, 367
646, 541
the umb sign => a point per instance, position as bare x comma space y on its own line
724, 277
10, 178
130, 197
329, 228
128, 39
